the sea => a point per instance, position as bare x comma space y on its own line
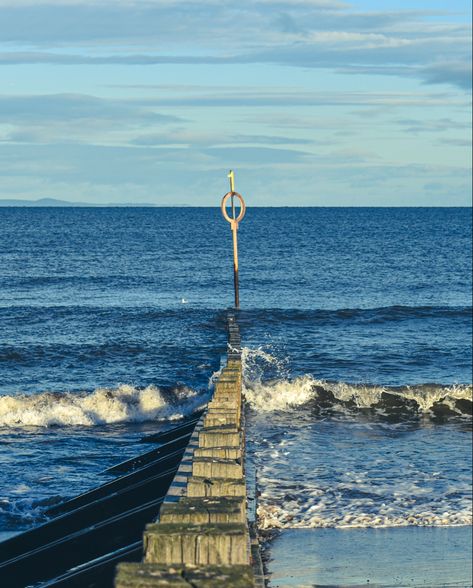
356, 328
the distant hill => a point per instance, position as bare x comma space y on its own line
56, 202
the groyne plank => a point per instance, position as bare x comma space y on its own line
139, 461
57, 557
204, 510
143, 575
98, 572
166, 463
222, 487
196, 544
99, 511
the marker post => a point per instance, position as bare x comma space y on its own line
234, 220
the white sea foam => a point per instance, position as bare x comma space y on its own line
278, 517
25, 509
347, 472
279, 394
102, 406
361, 503
341, 474
257, 362
282, 392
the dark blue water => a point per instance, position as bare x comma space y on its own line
112, 320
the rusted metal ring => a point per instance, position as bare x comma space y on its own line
223, 206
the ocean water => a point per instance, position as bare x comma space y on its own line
357, 330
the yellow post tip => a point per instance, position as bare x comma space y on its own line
231, 175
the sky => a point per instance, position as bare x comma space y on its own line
311, 102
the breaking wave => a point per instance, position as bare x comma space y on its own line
102, 406
425, 399
282, 393
320, 465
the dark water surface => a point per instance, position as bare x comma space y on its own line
94, 296
357, 328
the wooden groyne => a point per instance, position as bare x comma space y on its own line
205, 534
90, 533
181, 514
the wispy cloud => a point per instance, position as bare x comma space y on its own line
314, 101
306, 34
75, 118
186, 138
76, 107
148, 120
457, 73
441, 125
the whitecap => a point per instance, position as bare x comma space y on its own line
125, 403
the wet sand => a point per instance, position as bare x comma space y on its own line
394, 557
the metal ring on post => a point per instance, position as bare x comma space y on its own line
242, 207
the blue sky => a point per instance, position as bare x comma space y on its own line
311, 102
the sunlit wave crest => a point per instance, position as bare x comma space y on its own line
124, 404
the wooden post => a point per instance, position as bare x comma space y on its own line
234, 220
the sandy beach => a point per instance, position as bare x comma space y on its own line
395, 557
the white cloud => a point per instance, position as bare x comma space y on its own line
165, 135
293, 32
